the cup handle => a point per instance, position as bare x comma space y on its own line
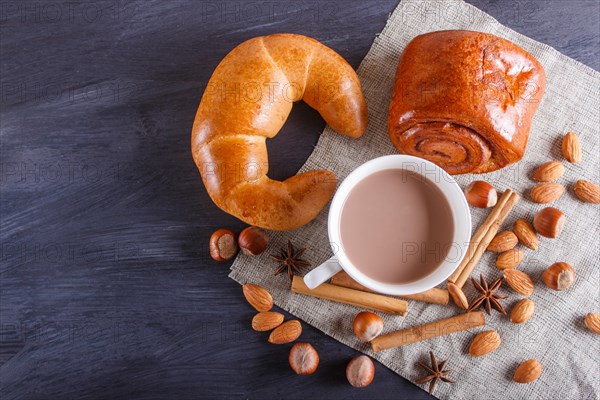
322, 273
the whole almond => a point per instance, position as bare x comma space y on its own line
549, 171
258, 297
587, 191
286, 332
526, 234
522, 311
484, 343
546, 192
592, 321
571, 147
503, 241
528, 371
265, 321
519, 281
510, 258
458, 296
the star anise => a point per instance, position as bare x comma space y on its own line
290, 260
436, 371
487, 296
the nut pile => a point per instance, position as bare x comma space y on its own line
550, 191
304, 358
266, 320
548, 222
223, 244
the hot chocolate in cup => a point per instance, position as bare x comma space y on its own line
398, 225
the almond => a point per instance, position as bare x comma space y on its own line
592, 321
526, 234
528, 371
510, 258
571, 147
458, 296
286, 332
547, 192
484, 343
265, 321
587, 191
522, 311
549, 171
503, 241
258, 297
519, 281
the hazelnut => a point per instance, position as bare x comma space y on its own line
559, 276
549, 222
367, 326
360, 371
222, 245
253, 241
303, 358
481, 194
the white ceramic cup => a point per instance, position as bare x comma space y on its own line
460, 214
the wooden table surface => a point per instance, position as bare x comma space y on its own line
107, 290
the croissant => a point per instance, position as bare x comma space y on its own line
464, 100
247, 101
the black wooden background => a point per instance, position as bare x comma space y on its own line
107, 290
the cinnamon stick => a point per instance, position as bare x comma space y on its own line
482, 237
435, 295
353, 297
429, 330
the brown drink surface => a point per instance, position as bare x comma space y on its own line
396, 226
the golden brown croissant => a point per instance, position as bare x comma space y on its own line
247, 100
465, 100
